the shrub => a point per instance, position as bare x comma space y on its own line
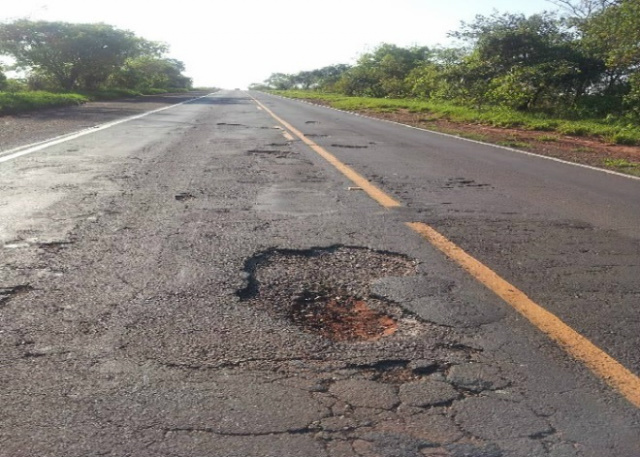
18, 102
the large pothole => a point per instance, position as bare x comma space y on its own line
326, 291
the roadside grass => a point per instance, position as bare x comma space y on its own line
20, 102
615, 131
623, 165
548, 138
514, 144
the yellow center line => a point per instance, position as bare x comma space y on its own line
579, 347
598, 361
359, 180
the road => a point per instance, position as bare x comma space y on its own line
203, 281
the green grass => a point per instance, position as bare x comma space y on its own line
514, 144
623, 165
613, 131
548, 138
20, 102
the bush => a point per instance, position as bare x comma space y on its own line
626, 138
19, 102
112, 94
573, 129
15, 85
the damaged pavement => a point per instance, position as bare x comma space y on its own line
215, 289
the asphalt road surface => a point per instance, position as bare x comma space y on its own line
200, 281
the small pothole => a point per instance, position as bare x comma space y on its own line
350, 146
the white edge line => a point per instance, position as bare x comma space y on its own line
39, 146
448, 135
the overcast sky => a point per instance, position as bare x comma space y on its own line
234, 43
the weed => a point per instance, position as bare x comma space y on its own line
620, 163
629, 139
623, 165
514, 144
548, 138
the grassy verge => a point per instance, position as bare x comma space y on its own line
623, 166
20, 102
613, 132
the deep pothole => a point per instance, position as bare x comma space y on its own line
326, 291
340, 317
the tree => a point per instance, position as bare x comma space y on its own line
382, 72
151, 72
76, 56
583, 10
533, 62
614, 34
280, 81
3, 80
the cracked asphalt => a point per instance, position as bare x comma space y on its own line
155, 278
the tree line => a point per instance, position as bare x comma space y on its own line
65, 57
581, 61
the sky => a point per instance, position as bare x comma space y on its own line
235, 43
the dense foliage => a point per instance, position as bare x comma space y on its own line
64, 57
585, 63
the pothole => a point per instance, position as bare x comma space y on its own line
350, 146
270, 152
461, 183
231, 124
327, 291
341, 318
8, 292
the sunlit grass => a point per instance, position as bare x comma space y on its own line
614, 132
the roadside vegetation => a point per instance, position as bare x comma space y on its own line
613, 130
575, 71
66, 64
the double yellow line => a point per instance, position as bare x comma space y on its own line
598, 361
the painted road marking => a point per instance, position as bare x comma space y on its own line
35, 147
574, 343
359, 180
599, 362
